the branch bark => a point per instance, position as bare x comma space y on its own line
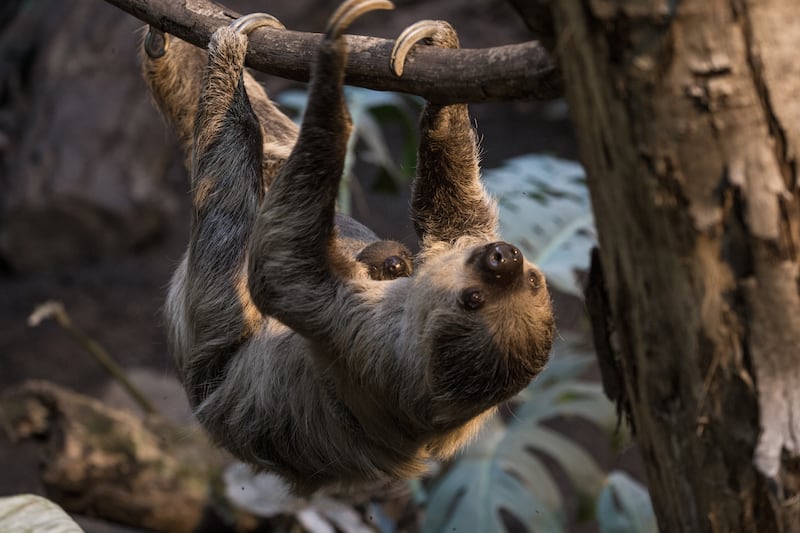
515, 72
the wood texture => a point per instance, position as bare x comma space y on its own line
112, 464
688, 117
515, 72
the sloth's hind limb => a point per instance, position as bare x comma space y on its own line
173, 70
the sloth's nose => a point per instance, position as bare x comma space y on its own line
502, 261
394, 265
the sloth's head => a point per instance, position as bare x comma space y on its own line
483, 319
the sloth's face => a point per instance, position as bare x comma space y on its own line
485, 323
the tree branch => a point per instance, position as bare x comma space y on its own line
515, 72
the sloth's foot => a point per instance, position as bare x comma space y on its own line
436, 33
156, 41
228, 45
349, 11
247, 23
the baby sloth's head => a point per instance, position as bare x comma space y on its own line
484, 321
386, 260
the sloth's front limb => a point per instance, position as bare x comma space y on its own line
448, 200
295, 271
226, 185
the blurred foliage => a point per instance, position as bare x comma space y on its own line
371, 112
545, 210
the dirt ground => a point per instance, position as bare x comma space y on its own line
117, 301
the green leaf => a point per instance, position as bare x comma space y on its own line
560, 368
545, 210
624, 506
377, 151
569, 360
496, 474
582, 470
358, 97
568, 399
295, 102
369, 110
385, 183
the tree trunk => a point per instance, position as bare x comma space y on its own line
84, 158
689, 124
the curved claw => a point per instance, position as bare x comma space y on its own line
349, 11
155, 43
440, 33
247, 23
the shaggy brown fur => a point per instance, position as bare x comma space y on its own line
293, 358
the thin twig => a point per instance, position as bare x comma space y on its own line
56, 311
516, 72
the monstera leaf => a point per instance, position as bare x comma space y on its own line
545, 210
502, 479
624, 506
497, 476
370, 111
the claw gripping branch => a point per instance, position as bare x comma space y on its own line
522, 71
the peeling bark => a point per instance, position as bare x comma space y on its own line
689, 123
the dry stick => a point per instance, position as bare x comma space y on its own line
56, 311
515, 72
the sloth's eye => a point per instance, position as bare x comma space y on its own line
534, 279
472, 299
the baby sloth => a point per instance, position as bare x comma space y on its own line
386, 260
293, 356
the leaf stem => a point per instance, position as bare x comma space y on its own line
57, 312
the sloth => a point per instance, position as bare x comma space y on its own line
386, 260
293, 357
